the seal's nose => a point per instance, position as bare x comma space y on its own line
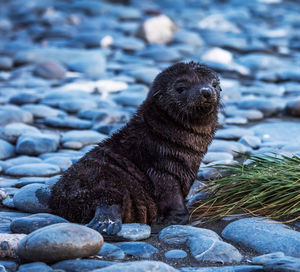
206, 92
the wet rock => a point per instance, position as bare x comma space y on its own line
60, 242
67, 122
35, 144
204, 244
137, 249
158, 29
42, 111
263, 236
33, 222
50, 70
10, 266
134, 232
111, 251
6, 150
293, 108
282, 264
82, 265
9, 244
175, 254
267, 257
11, 114
33, 169
138, 266
85, 137
33, 198
35, 267
12, 131
24, 98
236, 268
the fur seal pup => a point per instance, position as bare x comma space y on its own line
143, 172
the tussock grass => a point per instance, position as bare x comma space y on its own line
267, 186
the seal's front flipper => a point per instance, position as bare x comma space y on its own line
107, 220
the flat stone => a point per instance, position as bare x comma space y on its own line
42, 111
129, 44
33, 198
138, 266
60, 242
236, 268
62, 162
137, 249
33, 169
74, 105
267, 257
68, 122
276, 131
228, 147
34, 267
33, 222
49, 70
12, 131
160, 53
232, 133
20, 160
282, 264
85, 137
111, 251
217, 156
24, 98
144, 74
9, 244
6, 150
12, 114
6, 218
31, 180
35, 144
175, 254
81, 265
134, 232
204, 244
130, 99
263, 236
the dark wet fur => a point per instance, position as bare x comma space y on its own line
148, 167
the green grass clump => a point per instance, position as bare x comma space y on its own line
268, 186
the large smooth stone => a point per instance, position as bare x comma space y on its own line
60, 242
35, 267
277, 131
81, 265
204, 244
12, 131
33, 222
9, 244
263, 236
33, 169
83, 136
35, 144
111, 251
11, 114
50, 70
6, 150
139, 266
33, 198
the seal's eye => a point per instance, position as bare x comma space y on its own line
180, 87
215, 83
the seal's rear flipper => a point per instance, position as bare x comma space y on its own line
107, 220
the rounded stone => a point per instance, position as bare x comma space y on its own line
175, 254
9, 244
33, 198
50, 70
60, 242
85, 137
33, 169
12, 131
35, 267
6, 150
33, 222
135, 232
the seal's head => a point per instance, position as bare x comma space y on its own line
187, 90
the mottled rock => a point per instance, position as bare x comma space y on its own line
158, 29
33, 169
111, 251
138, 266
134, 232
6, 150
60, 242
35, 144
137, 249
50, 70
9, 244
204, 244
33, 222
33, 198
263, 236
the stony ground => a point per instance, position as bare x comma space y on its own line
73, 72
